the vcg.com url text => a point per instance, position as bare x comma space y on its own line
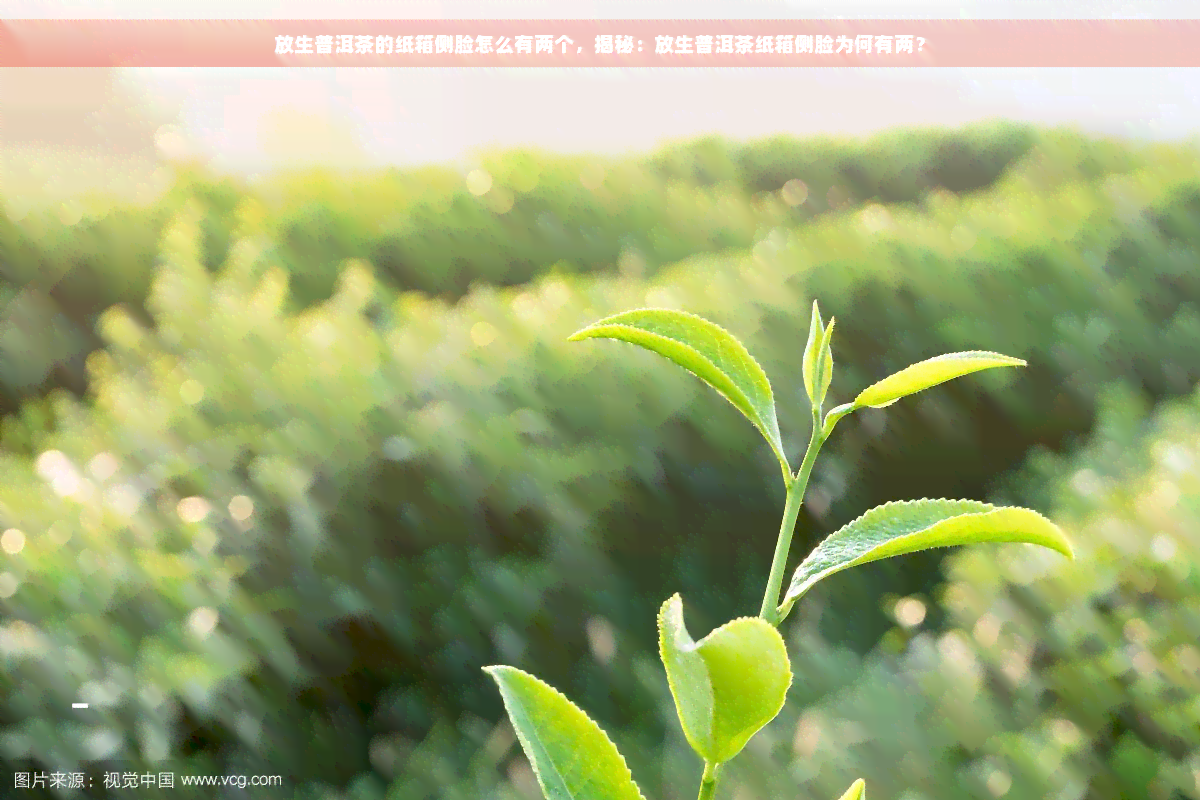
240, 781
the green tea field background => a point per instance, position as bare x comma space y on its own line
284, 463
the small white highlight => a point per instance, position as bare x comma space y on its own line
192, 509
998, 783
1163, 547
987, 630
50, 463
910, 612
241, 507
13, 541
479, 182
103, 466
79, 705
202, 621
794, 192
58, 470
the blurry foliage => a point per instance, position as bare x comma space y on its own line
520, 215
282, 533
1076, 680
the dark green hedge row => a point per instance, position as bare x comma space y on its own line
425, 229
283, 542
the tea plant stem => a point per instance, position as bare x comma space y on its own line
791, 510
708, 782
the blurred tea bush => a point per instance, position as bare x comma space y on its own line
1051, 678
290, 521
518, 215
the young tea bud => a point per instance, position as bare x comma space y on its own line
812, 353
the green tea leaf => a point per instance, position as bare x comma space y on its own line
707, 351
825, 362
931, 372
857, 791
812, 350
833, 416
728, 685
894, 529
571, 756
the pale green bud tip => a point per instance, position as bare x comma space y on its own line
812, 353
823, 369
857, 791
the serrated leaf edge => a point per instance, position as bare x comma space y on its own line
789, 599
1013, 361
490, 670
772, 434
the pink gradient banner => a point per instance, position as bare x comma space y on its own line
599, 43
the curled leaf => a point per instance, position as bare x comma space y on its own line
833, 416
812, 350
728, 685
571, 756
930, 372
898, 528
706, 350
825, 363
